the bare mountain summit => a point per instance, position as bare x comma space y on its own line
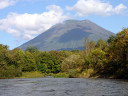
68, 35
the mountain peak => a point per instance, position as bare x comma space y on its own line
71, 21
76, 21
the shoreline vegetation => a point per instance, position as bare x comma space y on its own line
36, 74
101, 59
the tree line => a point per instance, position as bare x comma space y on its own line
106, 59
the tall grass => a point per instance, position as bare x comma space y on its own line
34, 74
37, 74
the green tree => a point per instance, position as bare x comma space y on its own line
31, 49
89, 45
30, 63
96, 59
118, 55
3, 55
47, 63
72, 62
16, 57
8, 68
101, 44
111, 38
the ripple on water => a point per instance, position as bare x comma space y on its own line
63, 87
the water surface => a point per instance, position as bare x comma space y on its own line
63, 87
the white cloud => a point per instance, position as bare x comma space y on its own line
97, 7
6, 3
26, 26
120, 9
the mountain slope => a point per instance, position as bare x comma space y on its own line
68, 35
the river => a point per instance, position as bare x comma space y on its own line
63, 87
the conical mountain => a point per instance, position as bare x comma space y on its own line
68, 35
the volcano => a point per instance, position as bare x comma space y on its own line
69, 35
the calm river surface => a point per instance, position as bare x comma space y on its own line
63, 87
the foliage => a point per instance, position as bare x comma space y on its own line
9, 72
118, 56
101, 44
16, 58
47, 63
72, 62
73, 73
96, 59
111, 38
31, 49
102, 59
89, 45
86, 73
29, 62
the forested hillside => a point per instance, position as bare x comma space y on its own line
102, 59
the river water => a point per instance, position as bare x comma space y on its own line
63, 87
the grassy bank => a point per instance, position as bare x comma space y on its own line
36, 74
85, 74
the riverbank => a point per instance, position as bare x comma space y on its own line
36, 74
85, 74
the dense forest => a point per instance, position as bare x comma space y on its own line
106, 59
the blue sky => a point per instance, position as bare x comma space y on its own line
22, 20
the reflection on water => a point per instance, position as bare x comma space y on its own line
63, 87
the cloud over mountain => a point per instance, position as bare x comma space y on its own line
26, 26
